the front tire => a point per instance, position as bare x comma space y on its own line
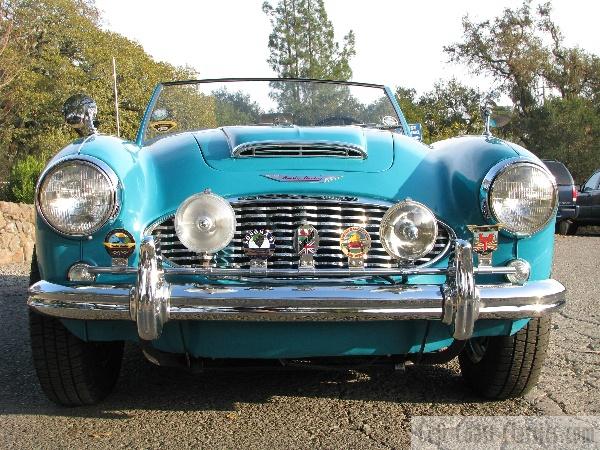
501, 367
71, 372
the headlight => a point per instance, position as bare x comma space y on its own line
408, 230
520, 195
77, 196
205, 223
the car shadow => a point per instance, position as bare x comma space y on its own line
590, 230
144, 386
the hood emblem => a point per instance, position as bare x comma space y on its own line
303, 178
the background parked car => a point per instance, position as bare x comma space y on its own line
588, 203
567, 197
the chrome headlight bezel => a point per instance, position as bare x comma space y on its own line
102, 168
488, 183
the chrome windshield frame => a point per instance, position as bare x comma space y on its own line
141, 133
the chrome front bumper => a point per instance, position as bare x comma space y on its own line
153, 301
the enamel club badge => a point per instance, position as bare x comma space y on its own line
259, 244
355, 242
485, 238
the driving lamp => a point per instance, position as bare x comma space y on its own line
522, 271
77, 197
205, 223
522, 197
408, 230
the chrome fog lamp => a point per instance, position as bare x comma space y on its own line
520, 195
523, 271
408, 230
205, 223
77, 196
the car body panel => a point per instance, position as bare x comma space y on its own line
155, 178
158, 177
378, 145
295, 340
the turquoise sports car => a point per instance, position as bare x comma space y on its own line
289, 222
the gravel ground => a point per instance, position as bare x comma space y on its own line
156, 407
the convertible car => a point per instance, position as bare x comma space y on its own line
290, 222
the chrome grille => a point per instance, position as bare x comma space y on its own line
283, 214
299, 149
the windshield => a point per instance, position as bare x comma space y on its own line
199, 105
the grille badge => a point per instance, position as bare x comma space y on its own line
306, 243
485, 241
355, 243
259, 245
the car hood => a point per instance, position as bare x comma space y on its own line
256, 148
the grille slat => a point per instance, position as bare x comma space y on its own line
283, 214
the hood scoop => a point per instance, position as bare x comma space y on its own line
307, 149
293, 142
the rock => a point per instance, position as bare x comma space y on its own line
594, 346
17, 232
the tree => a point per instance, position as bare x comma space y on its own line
302, 43
9, 63
235, 108
63, 50
524, 51
554, 88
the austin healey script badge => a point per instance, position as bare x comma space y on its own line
306, 243
355, 243
485, 241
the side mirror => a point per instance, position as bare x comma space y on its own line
493, 116
80, 113
416, 131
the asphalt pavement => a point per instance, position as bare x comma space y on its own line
154, 407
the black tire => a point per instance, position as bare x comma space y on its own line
501, 367
71, 372
563, 227
572, 229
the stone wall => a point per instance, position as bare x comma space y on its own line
17, 232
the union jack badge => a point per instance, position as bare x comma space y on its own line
306, 244
306, 240
485, 238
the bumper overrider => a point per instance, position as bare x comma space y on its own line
153, 301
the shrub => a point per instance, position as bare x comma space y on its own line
23, 178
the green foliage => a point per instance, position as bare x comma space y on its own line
302, 43
449, 109
23, 178
64, 51
235, 108
567, 130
